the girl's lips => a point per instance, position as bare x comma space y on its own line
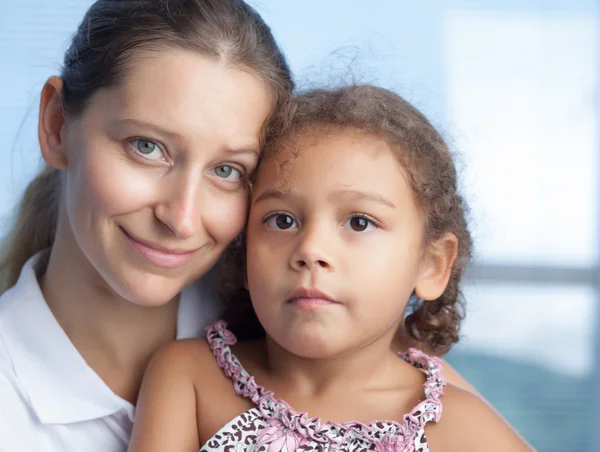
311, 303
157, 255
310, 298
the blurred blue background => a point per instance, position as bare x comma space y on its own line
514, 86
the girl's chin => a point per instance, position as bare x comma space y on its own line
313, 348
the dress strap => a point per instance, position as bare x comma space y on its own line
220, 339
429, 409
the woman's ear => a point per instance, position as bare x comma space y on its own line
436, 267
51, 124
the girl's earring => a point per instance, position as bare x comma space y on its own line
415, 299
414, 302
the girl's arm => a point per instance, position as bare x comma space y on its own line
165, 417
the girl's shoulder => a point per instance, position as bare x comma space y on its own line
469, 423
186, 359
182, 384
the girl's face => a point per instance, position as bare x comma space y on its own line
334, 244
153, 172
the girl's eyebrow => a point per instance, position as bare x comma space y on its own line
359, 195
272, 194
355, 195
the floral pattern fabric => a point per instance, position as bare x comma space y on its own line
273, 426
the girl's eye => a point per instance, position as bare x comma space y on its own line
148, 149
228, 172
280, 221
360, 224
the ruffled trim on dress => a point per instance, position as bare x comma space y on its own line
221, 339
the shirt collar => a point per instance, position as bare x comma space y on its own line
59, 384
199, 306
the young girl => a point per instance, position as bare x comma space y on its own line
354, 211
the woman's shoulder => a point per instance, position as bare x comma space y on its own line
469, 423
17, 418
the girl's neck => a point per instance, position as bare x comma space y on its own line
364, 367
114, 336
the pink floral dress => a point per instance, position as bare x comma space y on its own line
273, 426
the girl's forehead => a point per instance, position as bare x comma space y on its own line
352, 140
341, 154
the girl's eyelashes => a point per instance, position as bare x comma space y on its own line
148, 149
280, 221
360, 222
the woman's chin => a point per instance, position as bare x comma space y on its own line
149, 290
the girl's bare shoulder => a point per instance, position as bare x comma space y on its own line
182, 385
190, 359
469, 423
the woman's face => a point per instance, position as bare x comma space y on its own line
154, 186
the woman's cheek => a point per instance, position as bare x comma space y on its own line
224, 217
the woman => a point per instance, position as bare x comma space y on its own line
149, 135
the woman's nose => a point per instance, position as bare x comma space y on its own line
180, 211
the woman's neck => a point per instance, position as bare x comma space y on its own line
114, 336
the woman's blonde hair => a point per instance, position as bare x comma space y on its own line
34, 228
98, 57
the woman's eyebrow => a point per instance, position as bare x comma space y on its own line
175, 136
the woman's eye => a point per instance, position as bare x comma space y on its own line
280, 221
228, 172
359, 224
148, 149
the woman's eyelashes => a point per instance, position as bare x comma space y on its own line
148, 149
229, 174
357, 222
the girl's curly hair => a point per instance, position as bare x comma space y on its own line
430, 171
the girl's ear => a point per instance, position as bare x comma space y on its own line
51, 124
436, 267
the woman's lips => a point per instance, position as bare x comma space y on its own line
157, 255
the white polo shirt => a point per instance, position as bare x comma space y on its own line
50, 399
